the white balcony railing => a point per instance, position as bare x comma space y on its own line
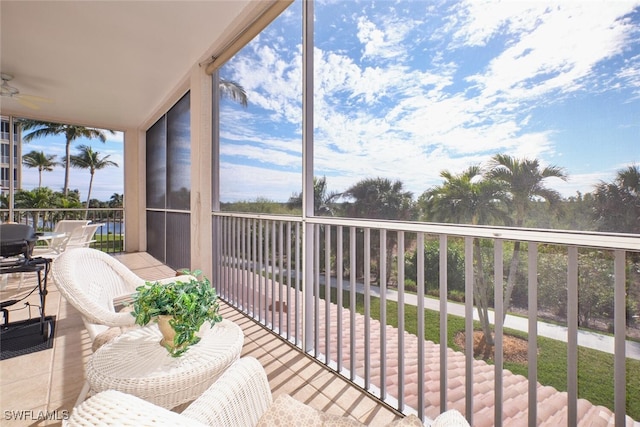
381, 331
109, 236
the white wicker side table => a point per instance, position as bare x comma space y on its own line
136, 363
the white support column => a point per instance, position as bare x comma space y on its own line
307, 176
201, 229
12, 165
135, 218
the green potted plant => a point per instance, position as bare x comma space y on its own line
180, 308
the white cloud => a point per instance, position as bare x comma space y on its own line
117, 137
553, 46
478, 21
630, 74
283, 85
384, 41
241, 182
421, 107
583, 183
263, 155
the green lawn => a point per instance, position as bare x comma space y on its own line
110, 243
595, 368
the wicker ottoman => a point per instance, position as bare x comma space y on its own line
135, 363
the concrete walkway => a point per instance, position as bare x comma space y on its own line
587, 339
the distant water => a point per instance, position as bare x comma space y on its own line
110, 227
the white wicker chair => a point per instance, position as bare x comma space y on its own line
239, 398
90, 280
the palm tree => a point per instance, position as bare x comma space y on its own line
379, 198
323, 200
37, 159
617, 204
116, 200
233, 91
89, 159
468, 198
39, 198
71, 133
525, 181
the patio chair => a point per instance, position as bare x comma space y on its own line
90, 280
57, 245
238, 398
241, 397
83, 237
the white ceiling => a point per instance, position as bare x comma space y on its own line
109, 64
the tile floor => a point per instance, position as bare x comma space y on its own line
47, 383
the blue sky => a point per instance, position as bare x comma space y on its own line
406, 89
105, 182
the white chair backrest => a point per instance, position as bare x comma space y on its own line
66, 226
83, 236
89, 280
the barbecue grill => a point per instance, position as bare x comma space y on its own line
16, 244
16, 247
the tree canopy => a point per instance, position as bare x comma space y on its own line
91, 160
43, 129
41, 161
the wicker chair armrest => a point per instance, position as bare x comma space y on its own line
114, 408
238, 398
111, 319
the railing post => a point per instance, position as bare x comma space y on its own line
367, 307
339, 296
572, 338
401, 324
468, 327
383, 315
327, 293
307, 287
498, 317
420, 282
532, 351
443, 249
620, 327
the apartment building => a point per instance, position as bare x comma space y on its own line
10, 168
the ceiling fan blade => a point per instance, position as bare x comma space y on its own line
33, 98
27, 103
30, 101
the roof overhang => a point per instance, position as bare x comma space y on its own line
110, 64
